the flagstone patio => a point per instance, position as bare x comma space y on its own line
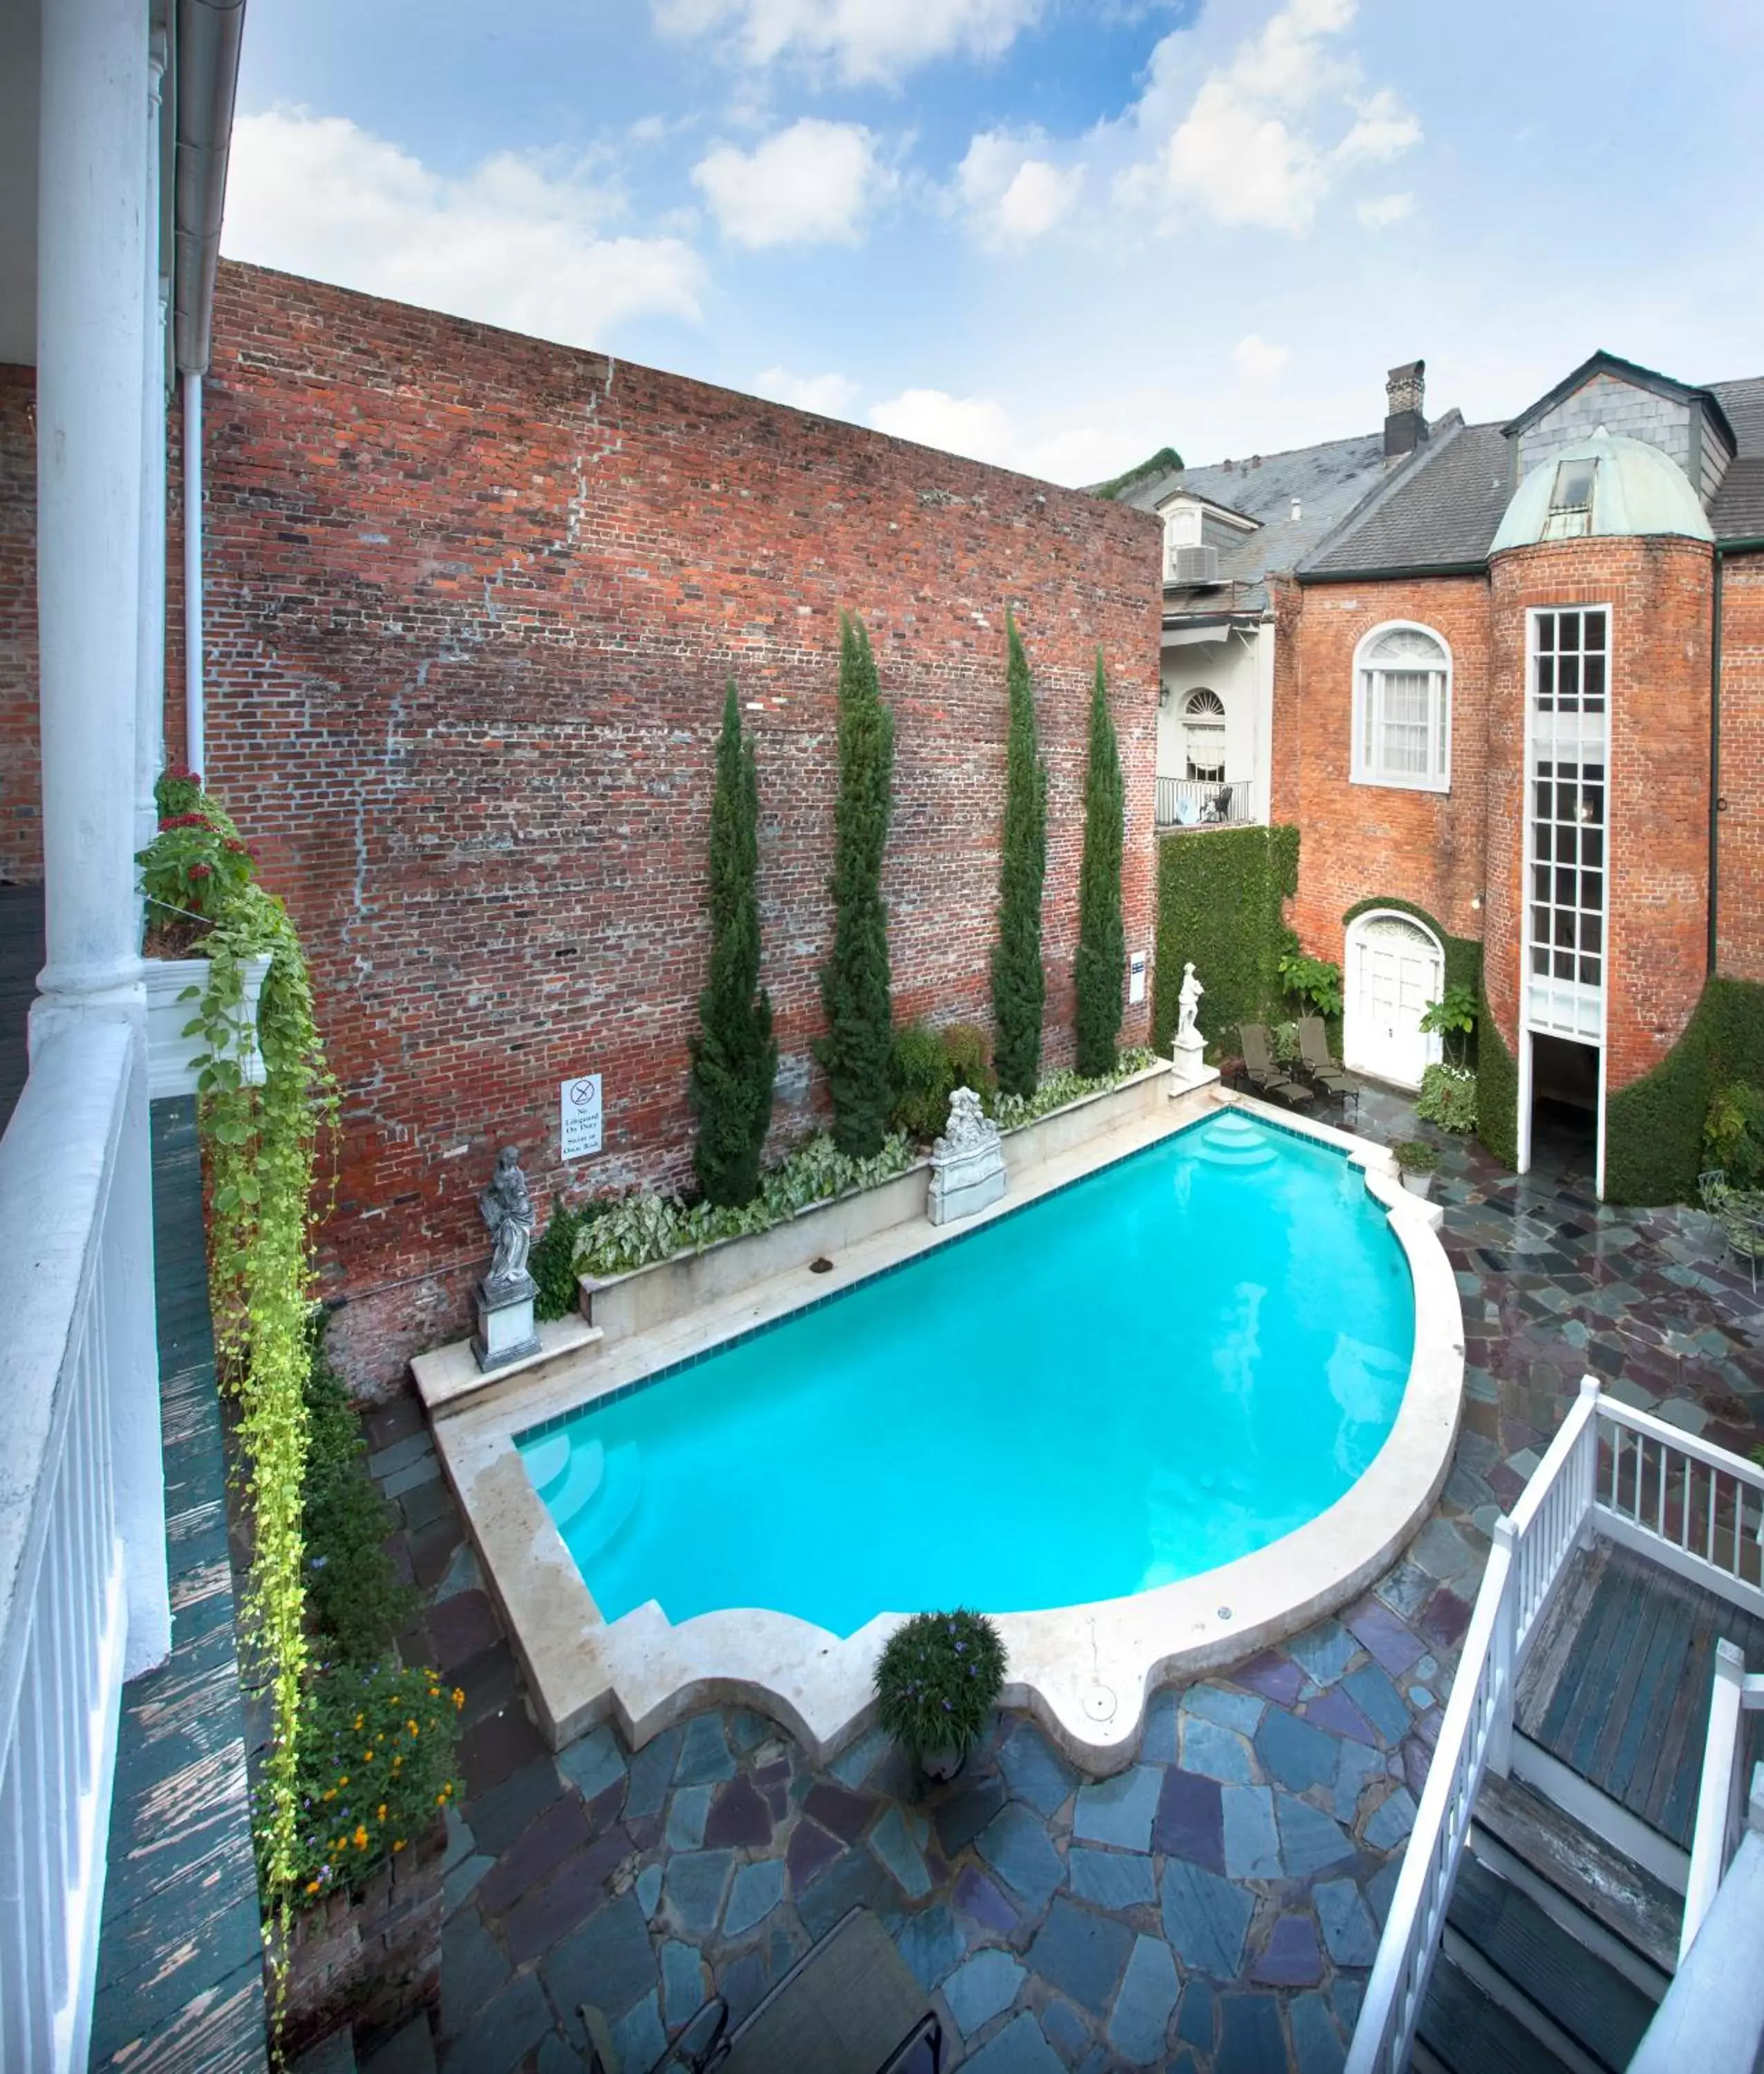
1214, 1907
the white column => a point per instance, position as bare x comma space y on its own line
150, 680
94, 223
196, 742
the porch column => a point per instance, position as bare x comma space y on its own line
93, 221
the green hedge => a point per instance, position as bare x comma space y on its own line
1653, 1128
1221, 897
1496, 1089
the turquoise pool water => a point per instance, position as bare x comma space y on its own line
1162, 1367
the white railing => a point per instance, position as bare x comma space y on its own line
64, 1295
1690, 1506
1720, 1809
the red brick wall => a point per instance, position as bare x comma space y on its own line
471, 602
1361, 842
1740, 901
21, 827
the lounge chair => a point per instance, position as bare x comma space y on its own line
1265, 1075
1315, 1059
849, 2006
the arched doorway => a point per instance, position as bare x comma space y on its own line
1395, 973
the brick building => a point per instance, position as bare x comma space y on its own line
1516, 707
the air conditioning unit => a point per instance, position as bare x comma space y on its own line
1194, 565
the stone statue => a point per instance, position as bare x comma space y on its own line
967, 1162
968, 1129
506, 1208
1187, 1002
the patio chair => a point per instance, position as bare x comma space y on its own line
1265, 1075
1711, 1189
1219, 805
1743, 1220
848, 2006
1316, 1059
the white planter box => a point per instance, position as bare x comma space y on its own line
170, 1053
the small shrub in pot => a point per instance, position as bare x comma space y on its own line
937, 1681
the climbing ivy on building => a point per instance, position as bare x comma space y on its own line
1654, 1127
1018, 984
854, 981
1221, 901
1102, 948
734, 1056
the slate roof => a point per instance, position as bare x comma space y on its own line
1440, 513
1737, 513
1329, 481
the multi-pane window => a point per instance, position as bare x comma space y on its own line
1402, 709
1204, 735
1567, 864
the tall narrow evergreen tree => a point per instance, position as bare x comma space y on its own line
1102, 950
854, 979
1018, 987
734, 1058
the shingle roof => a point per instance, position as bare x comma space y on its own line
1440, 514
1737, 513
1329, 481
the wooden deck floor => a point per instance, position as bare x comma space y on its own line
1618, 1687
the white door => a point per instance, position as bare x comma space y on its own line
1395, 973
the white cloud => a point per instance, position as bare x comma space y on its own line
810, 184
1382, 211
1011, 194
868, 40
979, 427
830, 395
519, 240
1257, 361
1249, 147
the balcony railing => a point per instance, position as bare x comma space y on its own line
65, 1289
1206, 803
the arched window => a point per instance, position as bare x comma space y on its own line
1402, 709
1204, 735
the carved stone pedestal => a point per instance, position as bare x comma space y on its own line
967, 1162
1189, 1055
506, 1330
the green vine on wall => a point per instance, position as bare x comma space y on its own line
1222, 898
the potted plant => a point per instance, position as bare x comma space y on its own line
937, 1680
192, 872
1416, 1160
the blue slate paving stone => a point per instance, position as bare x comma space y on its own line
1316, 2046
853, 1766
1219, 1753
473, 1969
1081, 1953
758, 1889
743, 1987
1309, 1838
686, 1814
1111, 1879
607, 1962
637, 2036
1157, 1744
683, 1981
1347, 1993
1019, 2048
1065, 2029
1035, 1772
1381, 1887
1250, 2039
1205, 1919
651, 1774
507, 2029
1324, 1651
1392, 1822
1348, 1928
977, 1990
1194, 2019
931, 1943
739, 1817
648, 1889
693, 1889
961, 1818
976, 1899
1252, 1847
1290, 1958
1015, 1845
747, 1730
704, 1757
1359, 1767
1379, 1700
1241, 1711
892, 1843
1119, 1810
1191, 1819
1140, 2018
1293, 1752
853, 1880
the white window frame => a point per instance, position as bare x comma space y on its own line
1437, 778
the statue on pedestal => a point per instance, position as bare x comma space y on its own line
506, 1208
1187, 1002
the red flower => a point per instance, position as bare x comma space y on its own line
237, 848
187, 821
201, 871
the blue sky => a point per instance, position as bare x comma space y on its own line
1055, 233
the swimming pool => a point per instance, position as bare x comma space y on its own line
1162, 1367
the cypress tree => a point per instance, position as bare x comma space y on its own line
1102, 950
734, 1058
854, 980
1018, 987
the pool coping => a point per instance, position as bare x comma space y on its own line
1084, 1671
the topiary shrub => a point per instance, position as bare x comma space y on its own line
1447, 1097
1102, 950
922, 1076
938, 1680
1018, 984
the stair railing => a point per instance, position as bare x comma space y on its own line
1531, 1549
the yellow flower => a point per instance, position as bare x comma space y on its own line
360, 1836
344, 1780
397, 1763
312, 1886
398, 1843
381, 1815
440, 1798
358, 1720
413, 1728
329, 1793
459, 1697
367, 1757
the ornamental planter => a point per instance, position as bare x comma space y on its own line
171, 1055
1418, 1183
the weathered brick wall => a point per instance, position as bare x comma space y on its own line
20, 823
1740, 901
1361, 841
471, 602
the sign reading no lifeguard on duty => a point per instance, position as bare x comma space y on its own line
579, 1103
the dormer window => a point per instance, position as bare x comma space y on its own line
1182, 527
1571, 501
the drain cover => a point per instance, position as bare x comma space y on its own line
1099, 1704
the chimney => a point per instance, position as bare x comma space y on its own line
1404, 424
